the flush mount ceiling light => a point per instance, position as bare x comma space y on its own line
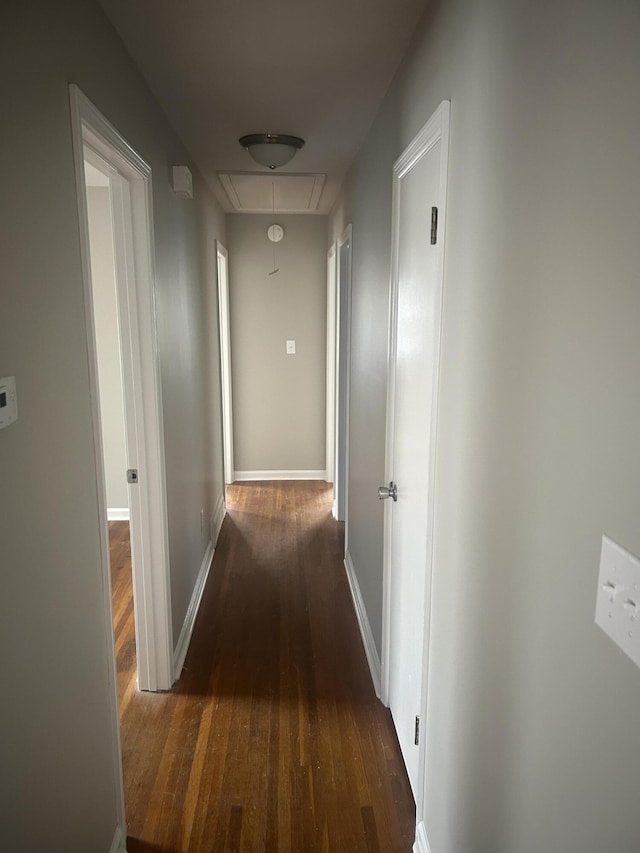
271, 149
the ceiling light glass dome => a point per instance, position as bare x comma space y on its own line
271, 149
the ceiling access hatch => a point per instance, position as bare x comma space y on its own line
263, 192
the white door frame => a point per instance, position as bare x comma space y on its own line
130, 184
331, 365
436, 130
225, 361
344, 244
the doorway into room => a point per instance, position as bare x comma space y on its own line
128, 180
112, 414
128, 259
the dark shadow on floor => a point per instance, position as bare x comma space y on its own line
135, 846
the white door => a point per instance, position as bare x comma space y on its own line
419, 195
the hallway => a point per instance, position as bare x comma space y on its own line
273, 739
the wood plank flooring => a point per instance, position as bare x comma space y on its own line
273, 739
122, 604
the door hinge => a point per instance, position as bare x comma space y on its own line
434, 225
416, 738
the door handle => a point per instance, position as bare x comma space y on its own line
390, 491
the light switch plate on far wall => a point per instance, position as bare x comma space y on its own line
291, 347
618, 598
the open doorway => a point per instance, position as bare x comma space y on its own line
128, 180
112, 415
128, 207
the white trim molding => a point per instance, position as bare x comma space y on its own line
224, 319
186, 633
332, 256
118, 844
421, 844
217, 518
118, 513
188, 625
344, 265
373, 658
246, 476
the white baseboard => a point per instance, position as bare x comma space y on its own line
217, 518
365, 628
244, 476
184, 639
118, 843
421, 844
118, 513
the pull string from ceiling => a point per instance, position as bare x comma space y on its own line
273, 208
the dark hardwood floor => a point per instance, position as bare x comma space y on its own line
122, 604
273, 739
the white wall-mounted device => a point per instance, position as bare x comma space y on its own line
8, 401
182, 182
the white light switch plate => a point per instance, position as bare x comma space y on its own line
291, 347
618, 598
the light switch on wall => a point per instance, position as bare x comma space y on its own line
291, 347
618, 598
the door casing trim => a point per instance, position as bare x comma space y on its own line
135, 273
344, 287
224, 321
331, 364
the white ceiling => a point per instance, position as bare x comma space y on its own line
223, 68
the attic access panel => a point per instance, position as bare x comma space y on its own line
259, 192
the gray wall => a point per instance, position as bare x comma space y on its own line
58, 789
108, 346
532, 732
278, 399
